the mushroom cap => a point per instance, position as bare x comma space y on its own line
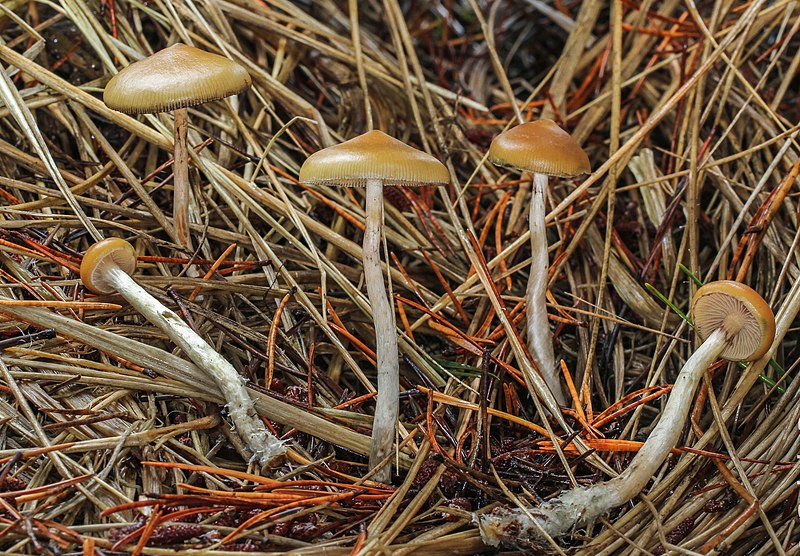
176, 77
739, 309
108, 253
540, 147
373, 155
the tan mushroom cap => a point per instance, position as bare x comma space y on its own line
373, 155
540, 147
108, 253
741, 311
176, 77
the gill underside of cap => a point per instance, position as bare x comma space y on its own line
741, 312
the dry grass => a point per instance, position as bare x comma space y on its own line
689, 114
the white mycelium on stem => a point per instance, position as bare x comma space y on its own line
106, 268
374, 160
736, 323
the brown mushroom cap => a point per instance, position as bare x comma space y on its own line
373, 155
738, 309
176, 77
105, 254
540, 147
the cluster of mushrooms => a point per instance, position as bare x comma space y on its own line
731, 319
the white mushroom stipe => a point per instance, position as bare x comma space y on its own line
388, 366
247, 423
540, 339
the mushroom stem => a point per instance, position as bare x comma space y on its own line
582, 505
540, 339
181, 185
248, 424
388, 399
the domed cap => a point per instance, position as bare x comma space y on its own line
540, 147
738, 309
373, 155
176, 77
111, 252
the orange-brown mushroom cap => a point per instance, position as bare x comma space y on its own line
108, 253
744, 314
540, 147
176, 77
373, 155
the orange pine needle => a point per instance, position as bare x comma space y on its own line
212, 270
456, 402
273, 337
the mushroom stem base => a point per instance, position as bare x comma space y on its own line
583, 505
388, 400
248, 424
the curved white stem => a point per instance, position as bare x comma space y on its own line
540, 339
582, 505
388, 399
249, 425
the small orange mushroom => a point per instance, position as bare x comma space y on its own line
174, 79
543, 149
373, 160
106, 268
112, 252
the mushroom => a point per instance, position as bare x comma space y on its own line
107, 267
543, 149
734, 323
374, 160
174, 79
